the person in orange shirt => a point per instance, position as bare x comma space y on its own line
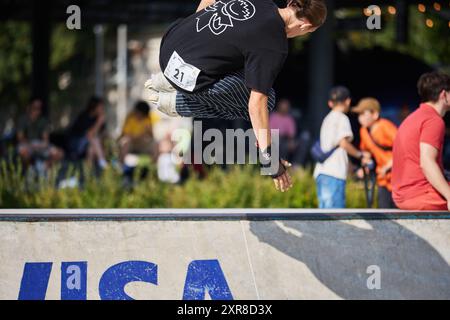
377, 137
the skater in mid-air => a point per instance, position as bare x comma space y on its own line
222, 61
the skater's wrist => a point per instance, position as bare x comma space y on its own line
270, 165
265, 156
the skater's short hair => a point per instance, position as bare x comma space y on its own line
314, 10
431, 85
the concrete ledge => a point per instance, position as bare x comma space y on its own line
220, 254
30, 215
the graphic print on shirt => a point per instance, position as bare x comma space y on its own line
219, 16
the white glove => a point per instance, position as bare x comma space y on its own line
167, 104
159, 82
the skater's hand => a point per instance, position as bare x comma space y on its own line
284, 182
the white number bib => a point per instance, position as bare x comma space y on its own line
181, 73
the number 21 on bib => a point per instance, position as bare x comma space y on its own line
181, 73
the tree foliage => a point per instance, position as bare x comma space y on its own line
430, 45
15, 62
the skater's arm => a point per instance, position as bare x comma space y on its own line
432, 171
204, 4
259, 115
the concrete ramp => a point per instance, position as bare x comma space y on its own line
223, 254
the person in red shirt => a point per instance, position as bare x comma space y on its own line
418, 178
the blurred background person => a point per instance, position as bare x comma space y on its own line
335, 137
283, 121
167, 168
377, 137
82, 142
418, 176
84, 133
33, 137
137, 133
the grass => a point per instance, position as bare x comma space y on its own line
239, 187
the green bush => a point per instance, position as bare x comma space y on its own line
238, 187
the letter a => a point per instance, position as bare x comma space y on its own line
74, 20
374, 21
374, 281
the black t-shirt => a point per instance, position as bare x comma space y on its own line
229, 36
83, 123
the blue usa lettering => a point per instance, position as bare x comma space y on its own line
202, 277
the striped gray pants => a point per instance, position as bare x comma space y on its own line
226, 99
